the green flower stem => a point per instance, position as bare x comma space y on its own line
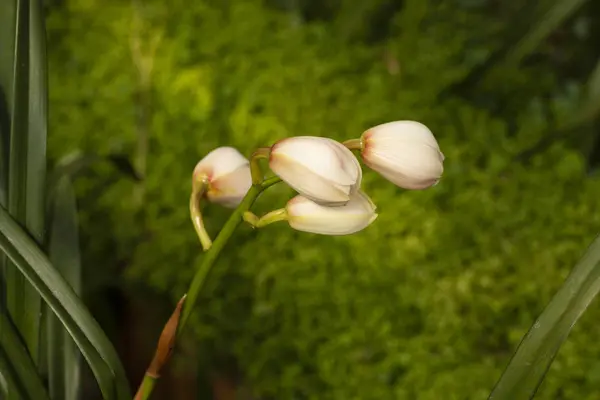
199, 188
353, 144
163, 352
211, 256
269, 218
149, 381
255, 170
251, 218
146, 388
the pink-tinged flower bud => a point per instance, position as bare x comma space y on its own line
318, 168
228, 174
305, 215
404, 152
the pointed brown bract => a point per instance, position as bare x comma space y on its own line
166, 343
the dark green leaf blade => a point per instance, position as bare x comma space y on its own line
27, 159
533, 357
558, 12
77, 161
60, 297
63, 249
19, 361
8, 380
7, 42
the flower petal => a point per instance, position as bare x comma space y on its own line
404, 152
221, 161
316, 155
306, 182
352, 167
408, 131
411, 166
308, 216
229, 190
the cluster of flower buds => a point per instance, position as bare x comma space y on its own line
326, 175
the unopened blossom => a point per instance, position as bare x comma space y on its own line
305, 215
404, 152
227, 173
318, 168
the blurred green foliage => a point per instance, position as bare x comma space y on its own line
431, 300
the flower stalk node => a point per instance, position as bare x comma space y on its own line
255, 169
199, 188
353, 144
267, 219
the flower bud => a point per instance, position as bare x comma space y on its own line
318, 168
228, 174
404, 152
305, 215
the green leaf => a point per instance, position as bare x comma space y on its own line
63, 249
538, 348
550, 20
23, 371
8, 380
591, 107
587, 113
27, 159
77, 161
521, 38
7, 41
60, 297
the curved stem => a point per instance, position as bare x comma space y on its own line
269, 218
255, 170
211, 256
196, 215
267, 183
209, 260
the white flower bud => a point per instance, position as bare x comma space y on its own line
228, 174
318, 168
305, 215
404, 152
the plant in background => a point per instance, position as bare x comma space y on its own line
329, 201
45, 327
327, 177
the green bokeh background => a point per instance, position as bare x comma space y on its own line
427, 303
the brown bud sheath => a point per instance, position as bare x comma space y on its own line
166, 343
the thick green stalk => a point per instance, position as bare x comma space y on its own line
145, 389
211, 255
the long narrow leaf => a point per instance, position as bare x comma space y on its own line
72, 164
538, 348
587, 113
7, 42
551, 19
63, 249
522, 37
60, 297
27, 159
591, 108
23, 368
9, 386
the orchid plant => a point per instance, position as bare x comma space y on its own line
327, 177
